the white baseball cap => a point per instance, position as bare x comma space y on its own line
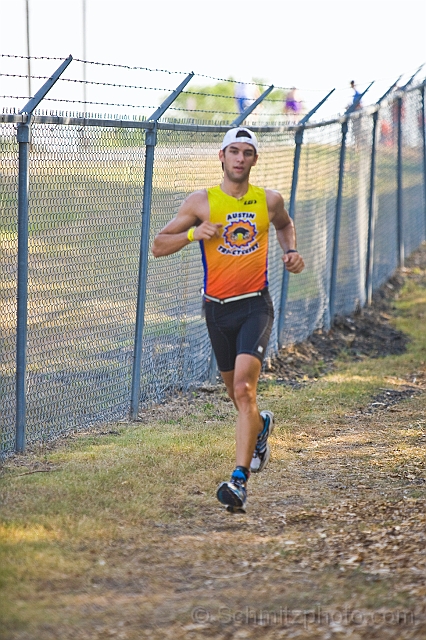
246, 136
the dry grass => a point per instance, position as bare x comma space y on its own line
117, 533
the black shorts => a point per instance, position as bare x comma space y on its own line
243, 326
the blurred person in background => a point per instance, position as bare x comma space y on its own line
293, 104
355, 95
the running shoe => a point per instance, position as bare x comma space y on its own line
233, 495
262, 452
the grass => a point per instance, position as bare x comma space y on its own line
110, 532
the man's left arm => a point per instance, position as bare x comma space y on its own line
286, 233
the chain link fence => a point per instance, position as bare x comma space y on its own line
86, 191
8, 276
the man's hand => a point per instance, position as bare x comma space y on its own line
207, 230
293, 262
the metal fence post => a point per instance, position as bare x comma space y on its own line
298, 138
240, 119
399, 233
372, 202
150, 142
24, 137
399, 213
335, 254
336, 235
212, 368
371, 216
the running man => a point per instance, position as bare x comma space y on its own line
231, 221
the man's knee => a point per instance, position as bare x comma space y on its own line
244, 391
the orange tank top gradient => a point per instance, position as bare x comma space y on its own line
237, 262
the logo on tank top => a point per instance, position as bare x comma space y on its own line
239, 235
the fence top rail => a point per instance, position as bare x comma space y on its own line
149, 125
125, 124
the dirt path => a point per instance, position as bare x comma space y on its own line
333, 543
331, 547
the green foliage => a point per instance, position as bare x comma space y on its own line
122, 137
217, 102
211, 102
8, 144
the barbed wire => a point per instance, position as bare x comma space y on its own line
17, 97
116, 86
103, 64
126, 86
120, 66
133, 106
86, 82
125, 66
199, 93
67, 101
136, 68
167, 71
12, 55
187, 109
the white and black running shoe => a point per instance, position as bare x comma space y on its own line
262, 452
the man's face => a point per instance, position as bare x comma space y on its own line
238, 158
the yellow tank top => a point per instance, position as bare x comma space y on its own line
237, 261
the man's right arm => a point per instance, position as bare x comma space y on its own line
193, 212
